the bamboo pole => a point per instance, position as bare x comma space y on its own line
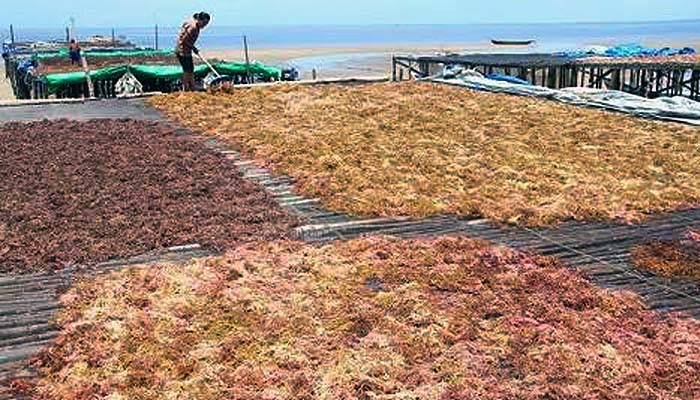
552, 78
247, 59
658, 81
615, 81
86, 69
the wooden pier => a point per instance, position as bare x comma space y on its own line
657, 77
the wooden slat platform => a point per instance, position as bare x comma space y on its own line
601, 251
648, 77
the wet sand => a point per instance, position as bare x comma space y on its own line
340, 62
277, 55
375, 61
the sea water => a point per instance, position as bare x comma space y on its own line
550, 37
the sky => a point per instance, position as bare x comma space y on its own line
140, 13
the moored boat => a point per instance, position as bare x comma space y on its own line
498, 42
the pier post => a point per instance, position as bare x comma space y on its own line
561, 82
544, 77
156, 33
574, 76
615, 82
90, 86
247, 59
696, 85
424, 68
552, 78
657, 87
679, 82
12, 34
393, 68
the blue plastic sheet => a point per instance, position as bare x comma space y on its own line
630, 50
26, 65
507, 78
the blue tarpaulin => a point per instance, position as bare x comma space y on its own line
507, 78
630, 50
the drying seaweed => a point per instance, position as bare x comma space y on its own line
63, 64
367, 319
419, 149
642, 60
84, 192
671, 258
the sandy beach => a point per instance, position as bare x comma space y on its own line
5, 88
339, 62
280, 55
373, 61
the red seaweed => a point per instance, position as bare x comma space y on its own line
85, 192
368, 319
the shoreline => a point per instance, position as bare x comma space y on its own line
282, 54
271, 54
374, 60
343, 62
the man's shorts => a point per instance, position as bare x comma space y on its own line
187, 64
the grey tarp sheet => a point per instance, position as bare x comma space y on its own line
677, 108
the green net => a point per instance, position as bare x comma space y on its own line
151, 73
56, 82
144, 73
265, 71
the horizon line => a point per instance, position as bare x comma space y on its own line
62, 27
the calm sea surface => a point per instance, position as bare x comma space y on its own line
549, 36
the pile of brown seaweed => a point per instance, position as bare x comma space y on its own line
673, 259
60, 65
368, 319
418, 149
84, 192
